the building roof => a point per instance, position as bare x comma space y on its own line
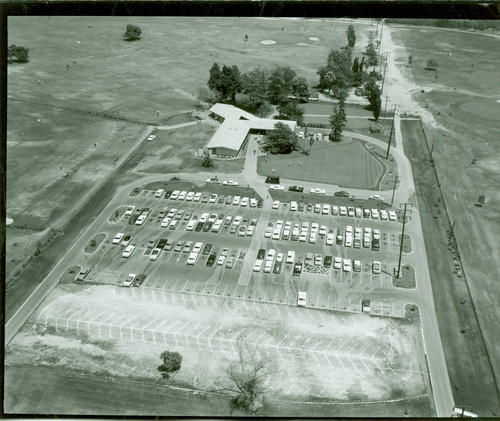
237, 123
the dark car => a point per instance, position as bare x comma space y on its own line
229, 200
199, 226
211, 260
341, 193
206, 226
272, 180
261, 253
297, 269
139, 279
327, 261
175, 179
260, 204
133, 218
296, 188
340, 238
168, 193
301, 207
221, 199
204, 199
179, 246
376, 244
169, 245
277, 267
207, 249
309, 207
161, 244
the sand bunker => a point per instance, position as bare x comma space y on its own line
302, 44
268, 42
313, 38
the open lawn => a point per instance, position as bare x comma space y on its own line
327, 164
464, 103
120, 332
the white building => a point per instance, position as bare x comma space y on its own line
236, 125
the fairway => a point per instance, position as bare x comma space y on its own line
344, 164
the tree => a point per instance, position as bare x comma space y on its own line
171, 363
206, 95
372, 93
17, 53
214, 81
410, 60
246, 380
355, 65
432, 64
207, 161
255, 84
371, 52
351, 36
280, 140
336, 75
281, 84
230, 82
291, 110
361, 64
301, 89
133, 33
377, 107
338, 119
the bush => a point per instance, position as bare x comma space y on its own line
133, 33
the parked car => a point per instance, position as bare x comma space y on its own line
276, 187
129, 210
211, 260
337, 263
178, 247
154, 254
192, 258
229, 262
230, 183
330, 239
151, 137
213, 198
327, 261
393, 216
326, 209
318, 191
169, 245
357, 266
277, 267
376, 266
276, 204
298, 189
139, 280
341, 194
297, 269
258, 265
118, 238
197, 197
187, 246
190, 196
128, 251
213, 180
347, 265
126, 240
80, 276
129, 280
302, 299
159, 193
197, 247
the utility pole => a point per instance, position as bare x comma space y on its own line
451, 232
394, 188
394, 107
432, 148
385, 70
401, 243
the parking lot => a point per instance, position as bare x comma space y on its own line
197, 242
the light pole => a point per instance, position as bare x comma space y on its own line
394, 107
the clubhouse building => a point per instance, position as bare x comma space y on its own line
237, 125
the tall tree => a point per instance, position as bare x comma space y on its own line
355, 65
133, 33
230, 82
338, 118
351, 36
255, 84
171, 363
336, 75
373, 93
17, 53
280, 84
361, 64
371, 52
301, 89
280, 140
377, 107
214, 81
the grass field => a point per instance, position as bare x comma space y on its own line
365, 172
463, 101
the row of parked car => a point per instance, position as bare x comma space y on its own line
273, 261
191, 196
326, 209
309, 232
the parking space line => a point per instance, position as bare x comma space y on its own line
150, 323
154, 285
258, 339
298, 336
375, 352
128, 321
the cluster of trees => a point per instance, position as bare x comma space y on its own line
17, 53
133, 33
171, 363
479, 25
280, 140
260, 87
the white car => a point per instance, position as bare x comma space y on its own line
322, 230
276, 187
293, 206
376, 197
375, 213
175, 194
290, 257
212, 217
129, 280
213, 198
141, 219
237, 220
166, 222
221, 259
154, 254
301, 301
313, 237
279, 257
197, 247
335, 210
318, 191
393, 216
357, 266
337, 263
159, 193
190, 196
377, 266
171, 213
182, 195
192, 258
118, 238
250, 230
253, 202
384, 215
317, 208
303, 236
191, 225
204, 216
129, 210
128, 251
151, 137
258, 265
347, 266
359, 213
326, 209
269, 232
330, 239
276, 204
268, 266
230, 183
376, 234
343, 211
236, 200
270, 254
276, 234
197, 197
214, 180
244, 201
